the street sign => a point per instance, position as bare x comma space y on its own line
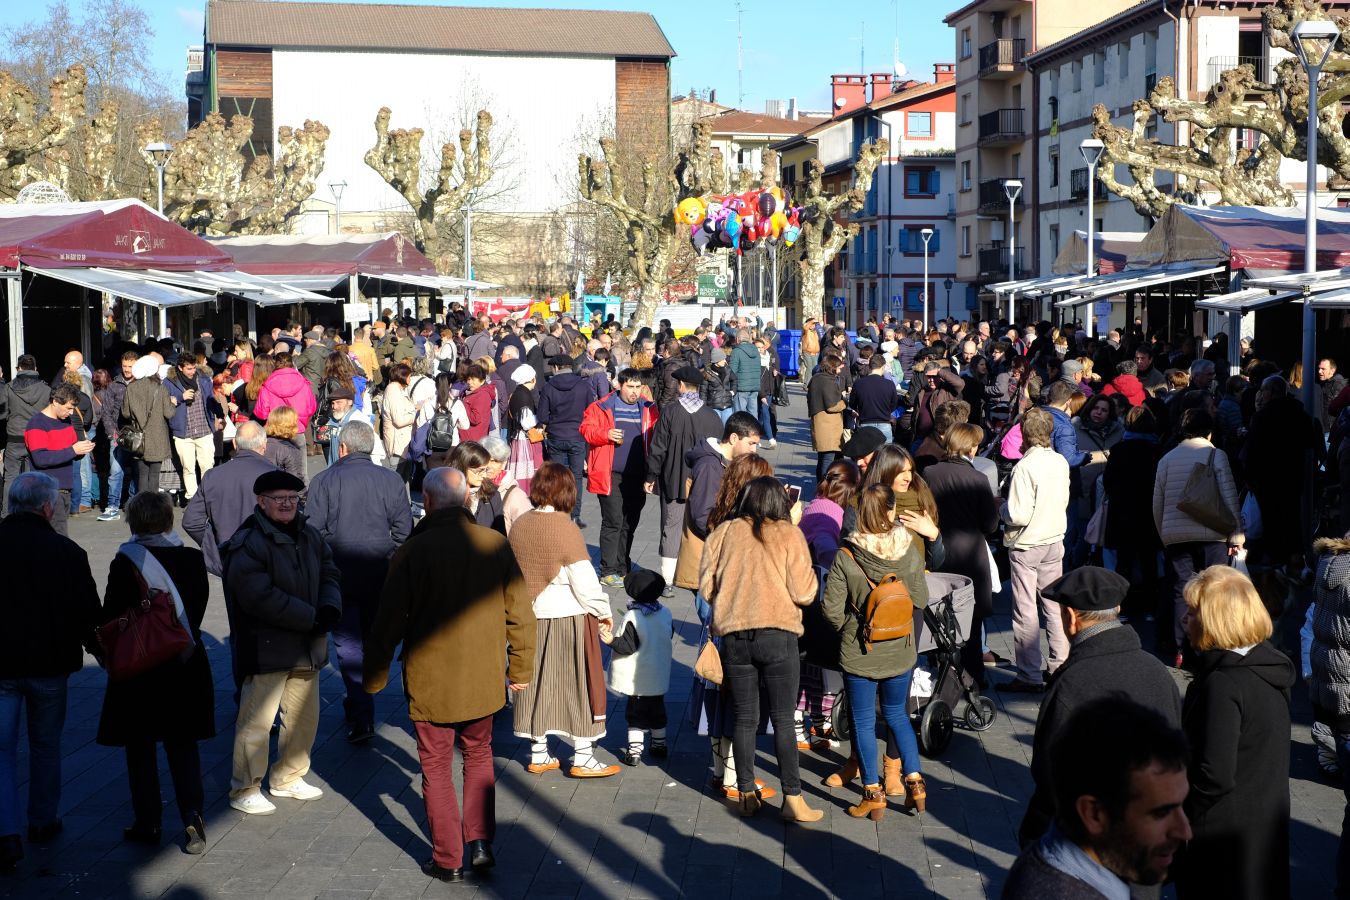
838, 302
712, 287
897, 304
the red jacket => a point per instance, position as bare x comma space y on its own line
596, 424
1128, 385
478, 404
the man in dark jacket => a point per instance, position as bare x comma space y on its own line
708, 460
562, 404
684, 423
226, 499
874, 396
110, 415
1120, 780
22, 397
50, 606
1105, 659
283, 595
744, 364
364, 528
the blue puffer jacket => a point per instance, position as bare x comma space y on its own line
1065, 438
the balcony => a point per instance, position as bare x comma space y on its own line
1220, 64
1079, 182
993, 199
1002, 127
1002, 58
994, 262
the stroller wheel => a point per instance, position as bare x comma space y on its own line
980, 714
840, 720
935, 727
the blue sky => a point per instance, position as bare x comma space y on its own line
704, 36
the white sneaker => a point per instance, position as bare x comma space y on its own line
253, 804
297, 790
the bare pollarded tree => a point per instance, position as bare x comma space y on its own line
30, 128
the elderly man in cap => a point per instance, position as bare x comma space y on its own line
684, 422
562, 405
364, 527
1105, 660
861, 446
283, 594
343, 411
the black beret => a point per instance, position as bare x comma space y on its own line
689, 375
864, 442
644, 585
1089, 589
561, 361
277, 480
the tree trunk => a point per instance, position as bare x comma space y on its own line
811, 292
653, 285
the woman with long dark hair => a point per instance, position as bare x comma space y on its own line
522, 427
756, 575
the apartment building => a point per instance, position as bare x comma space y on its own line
996, 123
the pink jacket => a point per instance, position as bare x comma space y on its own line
286, 387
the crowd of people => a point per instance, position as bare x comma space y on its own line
1110, 489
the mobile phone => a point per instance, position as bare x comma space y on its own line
794, 492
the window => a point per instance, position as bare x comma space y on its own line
1054, 166
965, 43
1054, 241
965, 109
740, 156
1123, 59
965, 175
922, 182
965, 240
1076, 73
1017, 165
911, 240
1099, 68
919, 124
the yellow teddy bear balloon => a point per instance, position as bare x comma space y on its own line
691, 211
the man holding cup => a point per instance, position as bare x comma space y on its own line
197, 416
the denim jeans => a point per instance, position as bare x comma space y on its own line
765, 419
770, 656
84, 471
747, 401
45, 702
118, 464
725, 414
862, 707
573, 455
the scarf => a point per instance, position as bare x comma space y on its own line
156, 578
1139, 436
907, 502
544, 543
691, 402
1062, 854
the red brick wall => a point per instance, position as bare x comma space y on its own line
642, 101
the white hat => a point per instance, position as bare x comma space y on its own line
524, 374
145, 367
890, 348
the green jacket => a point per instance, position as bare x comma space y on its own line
744, 364
846, 591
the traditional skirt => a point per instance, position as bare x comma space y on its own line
562, 698
526, 458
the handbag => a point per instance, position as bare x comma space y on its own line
1096, 526
131, 439
1202, 500
146, 635
708, 666
535, 434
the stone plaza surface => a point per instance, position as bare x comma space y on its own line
651, 831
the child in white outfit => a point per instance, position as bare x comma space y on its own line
640, 667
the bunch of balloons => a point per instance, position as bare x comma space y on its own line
742, 221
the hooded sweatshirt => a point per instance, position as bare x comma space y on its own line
562, 403
286, 387
706, 465
24, 396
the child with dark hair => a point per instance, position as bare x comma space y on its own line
640, 666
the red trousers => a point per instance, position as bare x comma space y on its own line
436, 749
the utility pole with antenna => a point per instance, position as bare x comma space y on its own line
740, 60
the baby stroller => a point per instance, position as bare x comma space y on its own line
942, 632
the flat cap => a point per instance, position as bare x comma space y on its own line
1070, 367
864, 443
277, 480
1089, 589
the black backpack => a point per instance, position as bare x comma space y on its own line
443, 434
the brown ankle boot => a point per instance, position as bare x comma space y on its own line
846, 773
796, 810
873, 804
892, 778
916, 793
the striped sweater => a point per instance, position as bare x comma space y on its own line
50, 442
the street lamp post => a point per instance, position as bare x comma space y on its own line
159, 153
927, 235
1092, 152
1314, 42
1012, 187
337, 187
947, 283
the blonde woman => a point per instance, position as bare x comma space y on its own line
1236, 718
281, 451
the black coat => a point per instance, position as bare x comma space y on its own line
1282, 442
222, 503
275, 585
967, 515
675, 434
719, 387
23, 397
1236, 717
49, 605
362, 511
1128, 479
176, 700
1107, 663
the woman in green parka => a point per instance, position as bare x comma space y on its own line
877, 548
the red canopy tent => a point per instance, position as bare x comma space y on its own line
372, 255
1257, 238
112, 234
1111, 252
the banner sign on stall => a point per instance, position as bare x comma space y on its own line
355, 313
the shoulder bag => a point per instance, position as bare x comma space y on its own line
1202, 500
152, 632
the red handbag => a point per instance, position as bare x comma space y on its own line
145, 636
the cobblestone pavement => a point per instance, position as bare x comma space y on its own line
652, 831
